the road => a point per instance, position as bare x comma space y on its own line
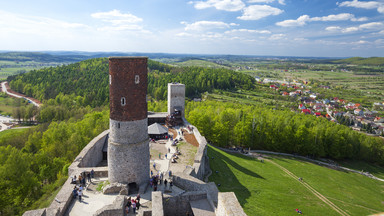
4, 89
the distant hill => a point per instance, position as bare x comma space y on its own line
362, 61
89, 80
40, 57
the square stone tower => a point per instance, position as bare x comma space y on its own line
176, 98
128, 147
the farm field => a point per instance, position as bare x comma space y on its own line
266, 189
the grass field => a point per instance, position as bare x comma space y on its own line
199, 63
264, 189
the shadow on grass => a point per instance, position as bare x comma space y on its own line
225, 179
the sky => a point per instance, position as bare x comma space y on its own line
308, 28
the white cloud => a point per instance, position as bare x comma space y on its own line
119, 22
226, 5
366, 26
206, 25
261, 1
116, 17
372, 25
11, 24
364, 4
267, 1
297, 22
333, 28
302, 20
248, 31
350, 29
277, 37
256, 12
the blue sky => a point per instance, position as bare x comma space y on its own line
243, 27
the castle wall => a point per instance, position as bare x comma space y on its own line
229, 205
92, 154
180, 205
157, 203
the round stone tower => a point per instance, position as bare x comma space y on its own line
128, 148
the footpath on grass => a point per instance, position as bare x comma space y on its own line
334, 166
312, 190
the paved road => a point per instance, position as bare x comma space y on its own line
4, 89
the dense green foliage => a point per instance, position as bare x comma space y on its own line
228, 124
33, 161
264, 189
87, 81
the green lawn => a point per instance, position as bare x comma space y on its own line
264, 189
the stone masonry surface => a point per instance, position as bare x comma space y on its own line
157, 203
128, 163
129, 131
128, 79
229, 205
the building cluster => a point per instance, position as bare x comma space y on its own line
358, 117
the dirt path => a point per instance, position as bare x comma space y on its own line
313, 191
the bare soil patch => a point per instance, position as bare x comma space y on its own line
190, 138
172, 131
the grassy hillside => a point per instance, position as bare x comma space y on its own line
265, 189
199, 63
362, 61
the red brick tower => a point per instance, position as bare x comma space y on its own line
128, 149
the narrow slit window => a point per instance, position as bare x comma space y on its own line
123, 101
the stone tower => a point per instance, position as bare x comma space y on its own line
128, 148
176, 97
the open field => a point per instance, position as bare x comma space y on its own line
265, 189
199, 63
9, 68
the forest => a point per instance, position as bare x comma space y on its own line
233, 124
33, 165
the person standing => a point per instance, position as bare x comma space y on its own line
79, 193
89, 177
134, 206
138, 204
165, 183
92, 173
129, 204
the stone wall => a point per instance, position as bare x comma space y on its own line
92, 154
114, 209
180, 205
157, 203
89, 157
201, 162
229, 205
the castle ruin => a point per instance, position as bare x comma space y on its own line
127, 146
